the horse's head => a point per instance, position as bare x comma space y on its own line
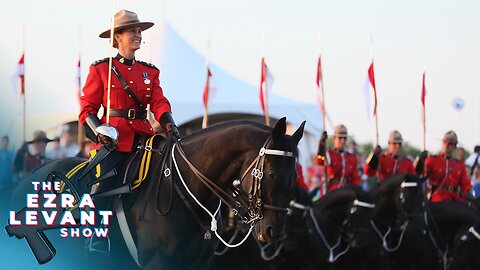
300, 203
409, 196
400, 197
355, 227
270, 179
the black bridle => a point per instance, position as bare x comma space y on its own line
248, 206
404, 219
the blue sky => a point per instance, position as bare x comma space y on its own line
405, 33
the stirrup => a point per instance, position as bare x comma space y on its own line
97, 248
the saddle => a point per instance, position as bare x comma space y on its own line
113, 173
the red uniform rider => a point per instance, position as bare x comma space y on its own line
133, 85
127, 115
342, 166
391, 163
447, 176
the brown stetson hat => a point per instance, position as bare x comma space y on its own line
125, 19
395, 137
340, 131
450, 137
39, 136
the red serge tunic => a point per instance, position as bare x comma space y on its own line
448, 178
390, 165
143, 79
342, 169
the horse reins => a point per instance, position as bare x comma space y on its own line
253, 209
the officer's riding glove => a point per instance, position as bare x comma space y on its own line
374, 159
105, 140
322, 145
107, 135
169, 126
420, 162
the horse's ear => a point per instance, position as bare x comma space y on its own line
298, 134
279, 129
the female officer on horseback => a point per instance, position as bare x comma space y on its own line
128, 107
133, 85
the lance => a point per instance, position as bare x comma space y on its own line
371, 76
206, 91
424, 111
324, 180
110, 61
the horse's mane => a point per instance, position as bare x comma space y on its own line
227, 124
335, 197
203, 133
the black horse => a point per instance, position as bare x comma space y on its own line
452, 234
255, 161
399, 204
317, 236
465, 250
286, 253
339, 228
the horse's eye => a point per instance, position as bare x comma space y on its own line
271, 174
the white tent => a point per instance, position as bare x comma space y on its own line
183, 75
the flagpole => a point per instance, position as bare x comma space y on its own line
375, 91
110, 62
265, 82
424, 120
324, 181
207, 90
320, 82
424, 114
80, 132
24, 117
265, 93
323, 95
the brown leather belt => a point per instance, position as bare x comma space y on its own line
450, 189
131, 114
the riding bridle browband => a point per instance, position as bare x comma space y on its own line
255, 203
249, 209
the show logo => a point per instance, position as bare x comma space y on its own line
55, 205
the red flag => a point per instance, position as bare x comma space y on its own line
207, 89
208, 92
424, 112
21, 73
319, 71
266, 82
422, 98
319, 83
263, 80
371, 78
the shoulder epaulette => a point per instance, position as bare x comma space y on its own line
147, 64
100, 61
